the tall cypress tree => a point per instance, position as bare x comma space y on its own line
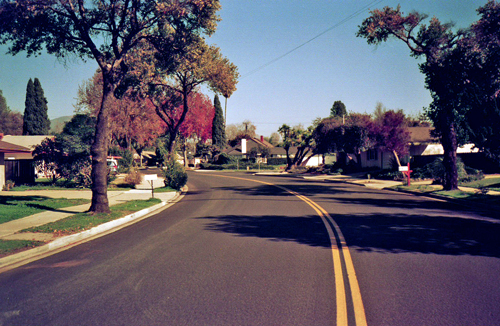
338, 109
218, 125
36, 120
29, 109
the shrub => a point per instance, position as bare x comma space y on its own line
435, 170
80, 174
276, 161
9, 184
387, 175
224, 158
133, 178
175, 175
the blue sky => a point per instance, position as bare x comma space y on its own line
295, 89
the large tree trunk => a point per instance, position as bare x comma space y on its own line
396, 157
306, 159
184, 152
449, 142
99, 152
288, 159
175, 129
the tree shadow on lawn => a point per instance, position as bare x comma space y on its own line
31, 201
14, 200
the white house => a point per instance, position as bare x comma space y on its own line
16, 159
422, 144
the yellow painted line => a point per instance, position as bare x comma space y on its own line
359, 310
340, 295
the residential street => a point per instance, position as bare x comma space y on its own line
240, 249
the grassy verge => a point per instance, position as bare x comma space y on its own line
15, 207
83, 221
473, 197
13, 246
416, 188
490, 183
41, 186
164, 189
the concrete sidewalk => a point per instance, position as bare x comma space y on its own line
10, 230
371, 183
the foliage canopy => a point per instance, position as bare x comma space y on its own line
105, 31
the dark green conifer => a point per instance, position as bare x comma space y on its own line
338, 109
36, 120
218, 126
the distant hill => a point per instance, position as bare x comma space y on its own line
57, 125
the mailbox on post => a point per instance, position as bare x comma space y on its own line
406, 170
151, 178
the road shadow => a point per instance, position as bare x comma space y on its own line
379, 233
308, 230
417, 202
371, 221
277, 190
386, 233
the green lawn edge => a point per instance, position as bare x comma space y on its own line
84, 221
8, 247
74, 224
472, 197
16, 207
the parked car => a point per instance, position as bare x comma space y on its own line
112, 164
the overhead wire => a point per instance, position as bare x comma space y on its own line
351, 16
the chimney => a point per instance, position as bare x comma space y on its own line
261, 138
243, 146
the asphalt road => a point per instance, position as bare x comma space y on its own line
239, 252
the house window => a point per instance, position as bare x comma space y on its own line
20, 171
372, 155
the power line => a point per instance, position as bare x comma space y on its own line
356, 13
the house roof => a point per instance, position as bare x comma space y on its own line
421, 135
261, 142
281, 151
236, 150
6, 147
25, 141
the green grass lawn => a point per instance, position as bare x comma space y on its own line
15, 207
164, 189
472, 197
457, 194
73, 224
13, 246
417, 188
40, 186
83, 221
491, 183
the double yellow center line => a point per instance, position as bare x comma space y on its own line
340, 252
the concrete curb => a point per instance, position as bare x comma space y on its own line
27, 256
487, 208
